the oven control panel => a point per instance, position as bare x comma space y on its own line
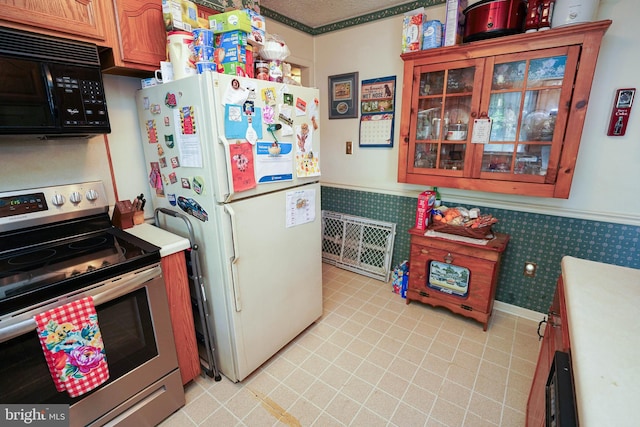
22, 204
38, 206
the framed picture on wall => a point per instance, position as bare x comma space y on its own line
343, 96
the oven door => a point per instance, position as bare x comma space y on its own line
560, 401
136, 330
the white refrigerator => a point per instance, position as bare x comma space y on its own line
241, 158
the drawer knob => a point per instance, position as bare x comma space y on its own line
424, 251
448, 259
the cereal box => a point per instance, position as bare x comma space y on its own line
454, 22
412, 30
426, 200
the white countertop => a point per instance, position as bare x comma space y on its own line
602, 305
168, 243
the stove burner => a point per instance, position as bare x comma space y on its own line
88, 243
31, 257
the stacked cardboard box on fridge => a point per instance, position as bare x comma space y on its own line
245, 20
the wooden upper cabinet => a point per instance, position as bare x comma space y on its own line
530, 87
141, 36
85, 20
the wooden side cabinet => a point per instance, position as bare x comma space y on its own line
457, 275
555, 338
176, 280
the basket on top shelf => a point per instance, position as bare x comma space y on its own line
461, 230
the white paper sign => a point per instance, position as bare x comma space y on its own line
481, 131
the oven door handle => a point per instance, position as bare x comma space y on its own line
114, 289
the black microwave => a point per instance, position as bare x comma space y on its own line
50, 87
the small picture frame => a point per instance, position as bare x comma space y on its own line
343, 96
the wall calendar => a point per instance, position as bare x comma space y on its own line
377, 104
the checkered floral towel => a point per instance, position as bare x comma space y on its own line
72, 345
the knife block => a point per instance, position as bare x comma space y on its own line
123, 215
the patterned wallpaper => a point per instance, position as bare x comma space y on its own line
543, 239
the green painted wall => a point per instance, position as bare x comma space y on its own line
543, 239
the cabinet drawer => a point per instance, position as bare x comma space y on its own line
451, 277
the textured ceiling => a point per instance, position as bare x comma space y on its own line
317, 16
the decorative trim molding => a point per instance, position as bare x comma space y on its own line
358, 20
220, 5
518, 311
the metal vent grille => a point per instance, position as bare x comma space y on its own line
358, 244
22, 44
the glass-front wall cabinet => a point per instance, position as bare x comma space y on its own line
501, 115
521, 94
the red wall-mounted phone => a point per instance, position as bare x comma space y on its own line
621, 112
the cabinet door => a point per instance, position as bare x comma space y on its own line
526, 95
77, 19
456, 279
141, 31
444, 98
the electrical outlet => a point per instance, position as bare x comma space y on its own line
530, 269
349, 147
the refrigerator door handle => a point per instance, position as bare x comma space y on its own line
227, 152
236, 256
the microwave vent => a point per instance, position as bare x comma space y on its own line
23, 44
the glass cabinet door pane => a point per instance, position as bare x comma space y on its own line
428, 110
503, 110
509, 75
545, 72
460, 80
539, 114
533, 160
432, 83
452, 156
426, 156
498, 158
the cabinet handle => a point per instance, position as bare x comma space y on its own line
540, 336
424, 251
448, 259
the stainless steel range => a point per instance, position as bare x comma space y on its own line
57, 245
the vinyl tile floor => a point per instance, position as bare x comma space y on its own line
372, 360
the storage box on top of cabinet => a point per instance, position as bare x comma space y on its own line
358, 244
